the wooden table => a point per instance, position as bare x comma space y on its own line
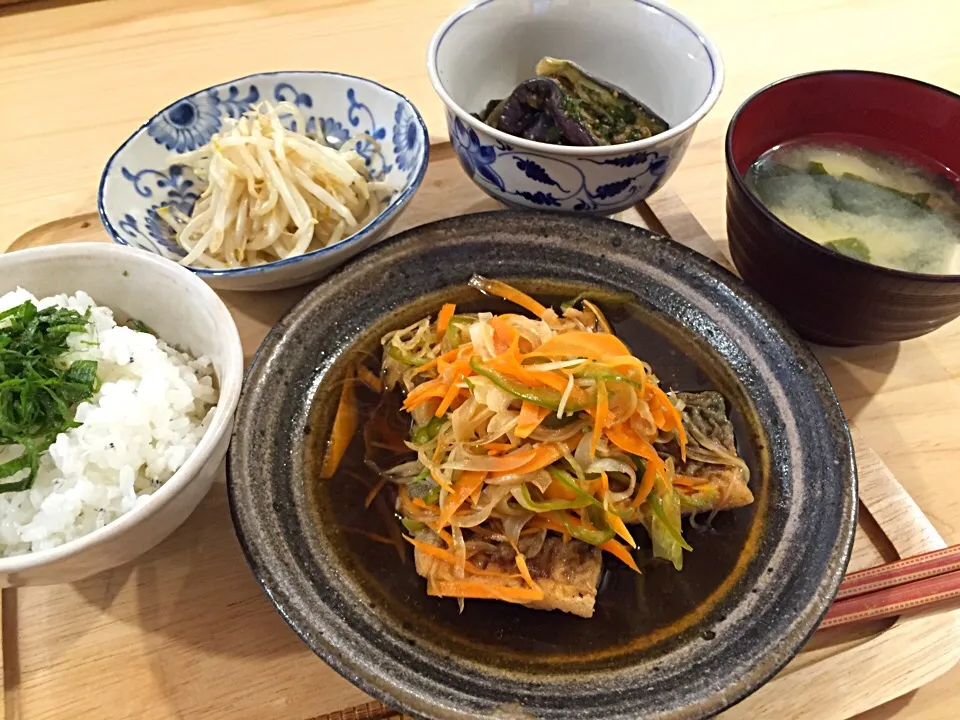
77, 77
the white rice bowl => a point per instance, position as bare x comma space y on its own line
151, 411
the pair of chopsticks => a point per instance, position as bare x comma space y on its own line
894, 588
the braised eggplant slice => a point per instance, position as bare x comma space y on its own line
565, 105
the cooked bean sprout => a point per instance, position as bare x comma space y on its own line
272, 193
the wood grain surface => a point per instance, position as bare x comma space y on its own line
77, 77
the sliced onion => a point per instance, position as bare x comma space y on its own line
565, 397
582, 453
541, 434
531, 545
412, 468
609, 465
490, 498
460, 550
481, 335
488, 463
541, 479
513, 525
475, 547
559, 365
467, 419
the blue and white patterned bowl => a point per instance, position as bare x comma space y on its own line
138, 178
650, 50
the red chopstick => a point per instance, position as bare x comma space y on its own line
891, 589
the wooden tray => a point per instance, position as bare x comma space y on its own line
185, 632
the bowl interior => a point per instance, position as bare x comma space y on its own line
729, 631
135, 286
141, 178
895, 113
648, 50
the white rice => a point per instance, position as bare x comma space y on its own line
151, 411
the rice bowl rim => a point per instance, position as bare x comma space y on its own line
229, 383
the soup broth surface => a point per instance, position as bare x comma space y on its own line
877, 207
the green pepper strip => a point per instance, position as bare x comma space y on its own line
700, 499
453, 332
425, 433
403, 356
548, 505
656, 505
432, 497
591, 537
592, 371
544, 397
570, 483
412, 525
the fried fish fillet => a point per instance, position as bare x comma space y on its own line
725, 487
568, 573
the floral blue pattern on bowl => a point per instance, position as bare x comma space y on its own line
526, 178
139, 179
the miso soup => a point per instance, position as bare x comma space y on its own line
879, 208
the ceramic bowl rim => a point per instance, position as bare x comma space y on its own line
220, 424
325, 648
396, 204
803, 240
713, 94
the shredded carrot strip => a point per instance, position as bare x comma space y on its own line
626, 438
543, 521
688, 481
443, 317
544, 455
511, 294
508, 363
472, 590
428, 387
659, 418
371, 496
345, 424
621, 553
530, 418
438, 479
646, 485
366, 376
620, 528
604, 485
525, 571
629, 361
497, 448
595, 346
446, 357
469, 482
436, 392
599, 417
675, 418
449, 558
452, 392
504, 334
558, 491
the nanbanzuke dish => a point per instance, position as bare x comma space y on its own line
533, 442
564, 105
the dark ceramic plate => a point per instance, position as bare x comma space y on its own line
663, 644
